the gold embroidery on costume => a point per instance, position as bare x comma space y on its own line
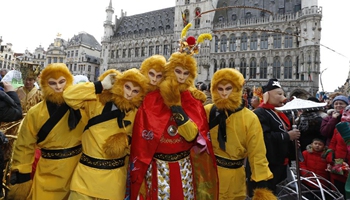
163, 174
170, 140
178, 117
102, 164
172, 157
61, 153
227, 163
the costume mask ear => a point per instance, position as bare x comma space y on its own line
266, 96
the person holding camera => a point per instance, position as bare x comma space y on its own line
10, 110
10, 106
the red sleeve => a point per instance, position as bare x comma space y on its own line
332, 145
303, 165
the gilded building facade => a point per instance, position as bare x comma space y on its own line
262, 39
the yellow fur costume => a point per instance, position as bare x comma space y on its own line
223, 77
108, 140
106, 95
57, 172
170, 88
243, 139
133, 75
156, 62
55, 71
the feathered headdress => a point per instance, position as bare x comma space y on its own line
189, 45
29, 70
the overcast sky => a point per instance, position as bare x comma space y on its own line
28, 24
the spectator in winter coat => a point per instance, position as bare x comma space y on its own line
329, 122
313, 160
337, 154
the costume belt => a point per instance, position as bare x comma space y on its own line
172, 157
227, 163
102, 163
60, 153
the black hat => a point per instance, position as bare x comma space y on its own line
272, 84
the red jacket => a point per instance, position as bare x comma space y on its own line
315, 163
339, 148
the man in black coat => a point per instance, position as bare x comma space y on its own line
278, 132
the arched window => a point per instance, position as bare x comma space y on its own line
254, 41
216, 44
288, 68
288, 38
215, 66
187, 2
264, 40
276, 68
277, 40
232, 63
222, 63
223, 43
185, 17
232, 45
197, 21
263, 68
244, 40
252, 68
150, 49
243, 67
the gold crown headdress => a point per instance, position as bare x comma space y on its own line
189, 45
29, 70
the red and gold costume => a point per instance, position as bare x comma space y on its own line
171, 155
152, 144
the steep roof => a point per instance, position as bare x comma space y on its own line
84, 39
161, 20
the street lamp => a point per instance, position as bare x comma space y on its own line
321, 79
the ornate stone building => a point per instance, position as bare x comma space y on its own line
7, 57
262, 38
56, 51
83, 55
39, 56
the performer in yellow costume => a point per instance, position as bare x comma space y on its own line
236, 134
56, 129
110, 105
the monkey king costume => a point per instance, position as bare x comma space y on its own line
102, 169
56, 129
236, 134
171, 155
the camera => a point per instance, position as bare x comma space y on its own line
1, 84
